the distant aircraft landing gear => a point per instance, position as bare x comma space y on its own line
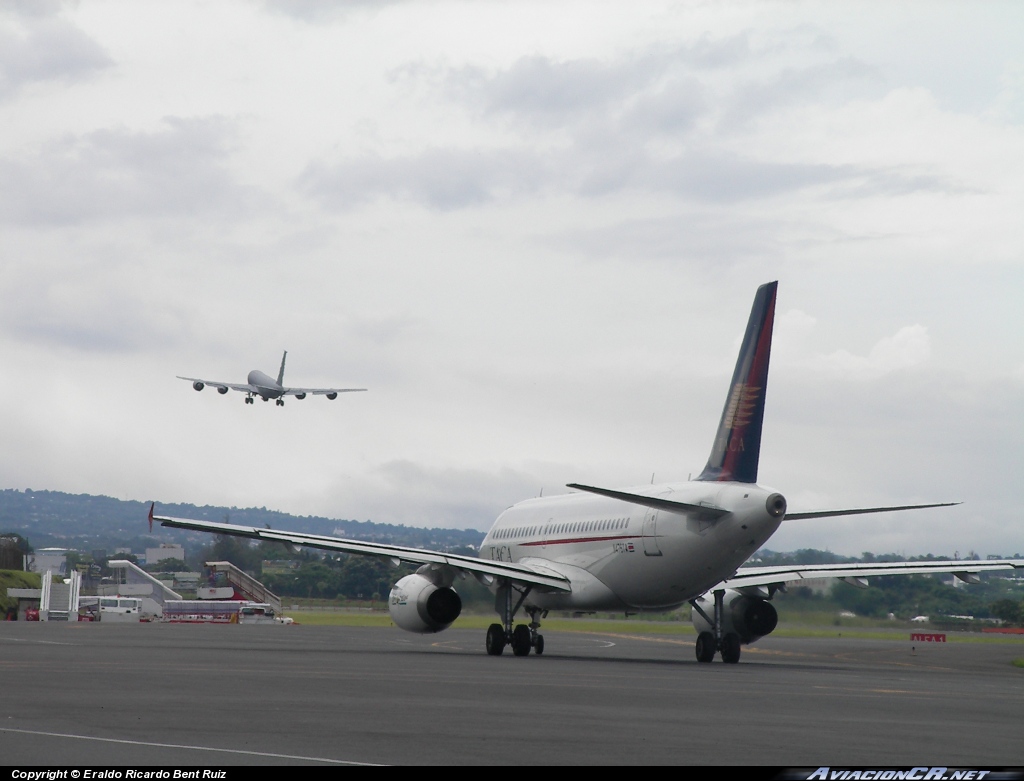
248, 399
708, 644
523, 637
280, 402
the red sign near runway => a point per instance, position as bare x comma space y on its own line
927, 637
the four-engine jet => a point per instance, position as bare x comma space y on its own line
645, 548
267, 388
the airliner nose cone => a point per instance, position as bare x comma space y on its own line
776, 505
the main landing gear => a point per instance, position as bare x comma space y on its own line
523, 637
280, 402
709, 643
248, 399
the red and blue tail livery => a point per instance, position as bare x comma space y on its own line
737, 447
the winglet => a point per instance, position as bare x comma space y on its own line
280, 374
151, 508
737, 448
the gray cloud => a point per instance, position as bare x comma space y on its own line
450, 179
608, 127
99, 321
113, 173
660, 84
427, 495
546, 91
703, 236
325, 11
442, 179
47, 49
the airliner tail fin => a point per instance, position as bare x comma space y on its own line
280, 374
737, 446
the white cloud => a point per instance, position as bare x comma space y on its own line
908, 348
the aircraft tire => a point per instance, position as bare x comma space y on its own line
705, 647
538, 645
521, 641
731, 648
495, 639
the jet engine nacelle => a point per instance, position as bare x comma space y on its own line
198, 385
749, 617
300, 396
222, 390
418, 605
332, 396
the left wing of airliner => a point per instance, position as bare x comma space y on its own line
484, 570
222, 387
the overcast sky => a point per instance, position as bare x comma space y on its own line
534, 232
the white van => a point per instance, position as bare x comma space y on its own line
120, 609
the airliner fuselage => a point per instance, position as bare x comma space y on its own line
633, 557
264, 385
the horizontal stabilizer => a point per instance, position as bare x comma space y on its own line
653, 501
864, 511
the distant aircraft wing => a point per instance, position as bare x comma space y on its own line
966, 570
319, 391
244, 387
483, 569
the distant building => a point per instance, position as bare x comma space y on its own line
165, 551
53, 559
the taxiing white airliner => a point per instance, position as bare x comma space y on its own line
267, 388
647, 548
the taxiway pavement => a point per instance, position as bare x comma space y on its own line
163, 694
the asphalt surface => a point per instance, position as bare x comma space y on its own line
201, 695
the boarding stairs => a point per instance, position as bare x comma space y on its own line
245, 585
133, 581
59, 601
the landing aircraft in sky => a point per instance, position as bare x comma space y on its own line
646, 548
267, 388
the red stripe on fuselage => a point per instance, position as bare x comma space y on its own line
567, 540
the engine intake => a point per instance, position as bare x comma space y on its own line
418, 605
332, 396
222, 390
198, 385
750, 617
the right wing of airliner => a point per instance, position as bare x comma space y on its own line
319, 391
483, 569
965, 569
